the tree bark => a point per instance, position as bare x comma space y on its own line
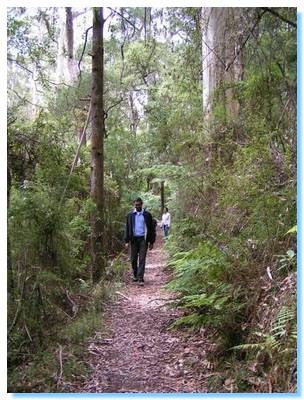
70, 43
134, 114
97, 151
222, 63
10, 276
69, 32
147, 23
162, 196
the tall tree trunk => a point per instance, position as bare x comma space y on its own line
221, 42
147, 23
97, 152
69, 32
70, 43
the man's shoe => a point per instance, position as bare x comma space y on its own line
141, 282
134, 279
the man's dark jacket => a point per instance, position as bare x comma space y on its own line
130, 223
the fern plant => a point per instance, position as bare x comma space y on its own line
199, 280
280, 343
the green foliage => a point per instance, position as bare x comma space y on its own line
238, 192
276, 349
42, 373
163, 171
229, 183
48, 236
292, 230
69, 342
287, 262
198, 277
82, 328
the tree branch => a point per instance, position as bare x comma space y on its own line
25, 99
61, 366
276, 14
77, 153
19, 308
216, 55
245, 41
37, 79
126, 19
83, 50
48, 26
114, 105
106, 111
20, 65
76, 14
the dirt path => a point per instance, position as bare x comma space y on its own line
138, 353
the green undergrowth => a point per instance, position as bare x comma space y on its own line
203, 277
249, 310
61, 364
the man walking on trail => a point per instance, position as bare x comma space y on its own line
140, 233
166, 221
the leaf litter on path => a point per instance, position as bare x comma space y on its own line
141, 354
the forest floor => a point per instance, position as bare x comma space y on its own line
138, 352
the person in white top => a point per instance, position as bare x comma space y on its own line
166, 222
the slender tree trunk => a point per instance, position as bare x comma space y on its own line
134, 114
147, 23
10, 277
97, 166
69, 31
148, 183
162, 196
70, 43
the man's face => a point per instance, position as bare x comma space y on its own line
138, 206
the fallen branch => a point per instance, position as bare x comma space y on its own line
19, 308
61, 310
94, 353
121, 294
168, 300
95, 350
61, 366
28, 332
74, 305
17, 315
269, 273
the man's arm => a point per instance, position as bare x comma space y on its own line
153, 233
150, 235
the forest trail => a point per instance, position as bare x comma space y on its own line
138, 353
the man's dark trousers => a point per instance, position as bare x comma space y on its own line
138, 256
